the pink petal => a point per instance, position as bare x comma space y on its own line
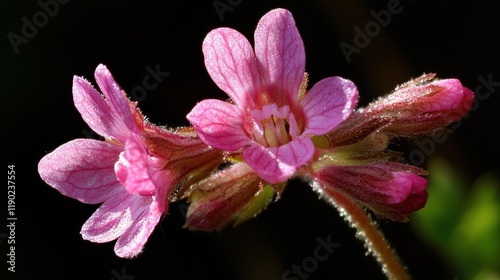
438, 95
114, 217
391, 190
115, 97
449, 98
135, 168
424, 95
231, 62
328, 103
219, 124
131, 243
422, 105
96, 112
82, 169
281, 55
129, 217
456, 98
278, 164
372, 182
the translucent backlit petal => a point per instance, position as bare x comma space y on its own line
231, 62
82, 169
281, 55
328, 103
219, 124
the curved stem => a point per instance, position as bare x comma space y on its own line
369, 233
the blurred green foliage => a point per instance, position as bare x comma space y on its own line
461, 221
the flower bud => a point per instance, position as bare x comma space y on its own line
233, 195
389, 189
422, 105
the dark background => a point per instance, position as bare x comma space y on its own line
451, 38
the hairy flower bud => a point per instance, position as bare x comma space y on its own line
231, 196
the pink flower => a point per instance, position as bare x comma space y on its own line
270, 118
391, 190
132, 183
420, 106
357, 162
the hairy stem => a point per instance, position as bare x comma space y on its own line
369, 233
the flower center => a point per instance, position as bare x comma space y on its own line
274, 126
